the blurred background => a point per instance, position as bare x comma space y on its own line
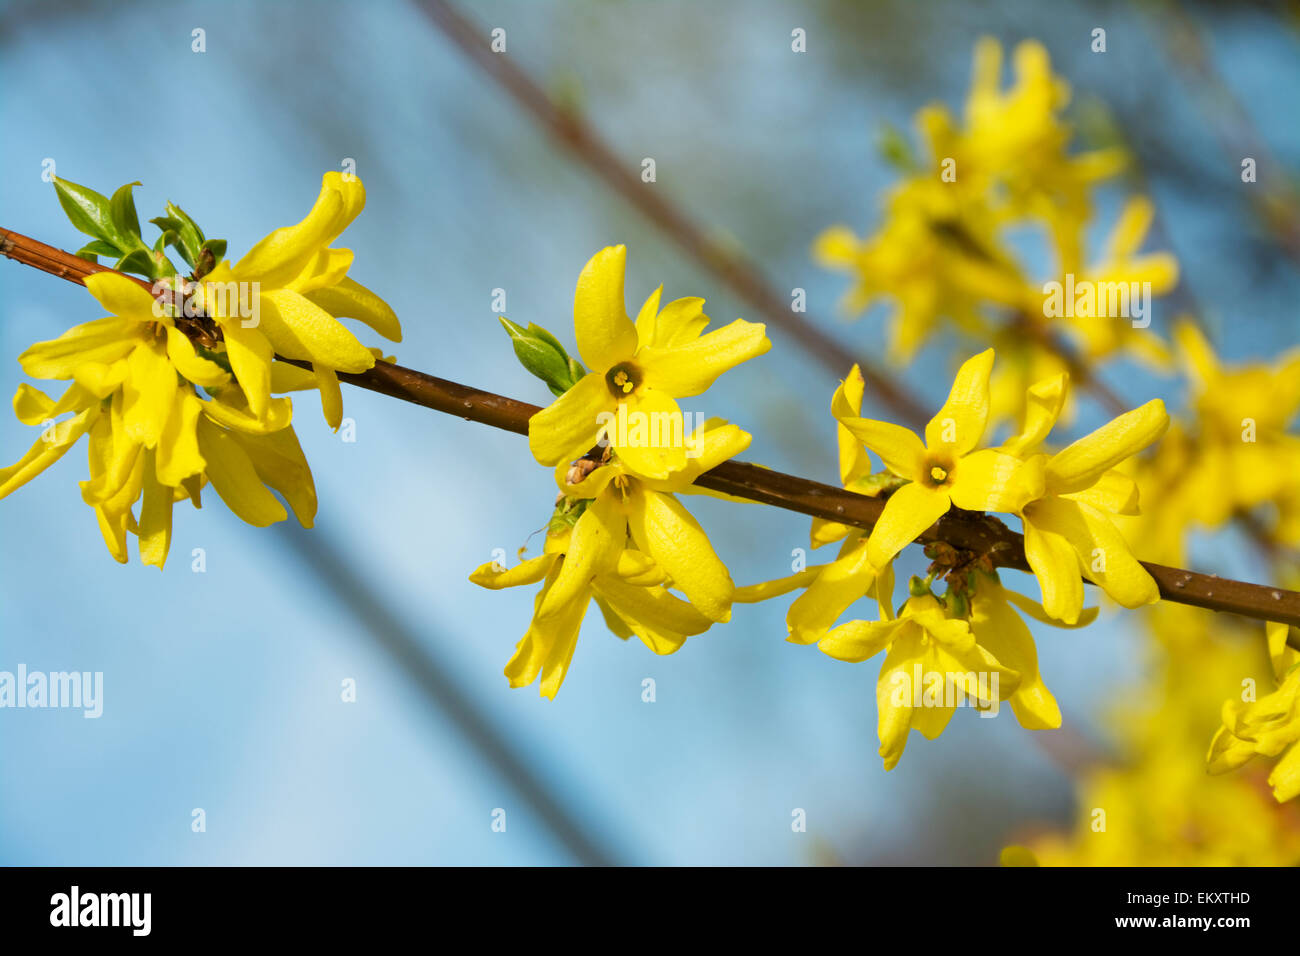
222, 688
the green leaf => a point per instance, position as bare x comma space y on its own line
138, 261
99, 248
125, 219
88, 211
191, 236
168, 238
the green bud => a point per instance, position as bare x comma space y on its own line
541, 354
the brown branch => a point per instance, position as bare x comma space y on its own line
968, 531
744, 278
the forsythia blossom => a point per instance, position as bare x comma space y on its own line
175, 391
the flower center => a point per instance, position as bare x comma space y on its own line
938, 475
623, 379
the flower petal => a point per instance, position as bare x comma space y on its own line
909, 511
598, 538
1103, 554
103, 341
1043, 404
300, 329
232, 474
123, 297
155, 516
840, 584
1056, 566
1084, 462
605, 334
858, 641
567, 428
960, 423
352, 300
685, 370
665, 530
494, 577
989, 480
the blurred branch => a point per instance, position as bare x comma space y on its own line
744, 278
967, 531
1276, 200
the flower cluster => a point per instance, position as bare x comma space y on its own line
175, 387
941, 253
619, 534
972, 633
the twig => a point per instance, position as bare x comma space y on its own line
982, 534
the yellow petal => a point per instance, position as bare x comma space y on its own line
49, 448
123, 297
598, 537
300, 329
331, 396
250, 358
327, 268
658, 449
753, 593
661, 620
1057, 568
235, 479
282, 255
103, 341
909, 511
1285, 778
686, 370
1114, 491
840, 584
149, 392
899, 448
279, 413
291, 378
893, 693
567, 428
1043, 404
352, 300
1084, 462
155, 516
680, 322
1000, 630
99, 379
178, 455
280, 464
992, 481
605, 334
858, 641
494, 577
665, 530
854, 461
647, 319
1103, 554
960, 423
200, 371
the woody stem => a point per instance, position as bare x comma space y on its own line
981, 534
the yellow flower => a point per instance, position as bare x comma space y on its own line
636, 370
1244, 456
934, 664
152, 438
1067, 528
1267, 727
1120, 267
831, 588
589, 562
301, 291
945, 470
647, 512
